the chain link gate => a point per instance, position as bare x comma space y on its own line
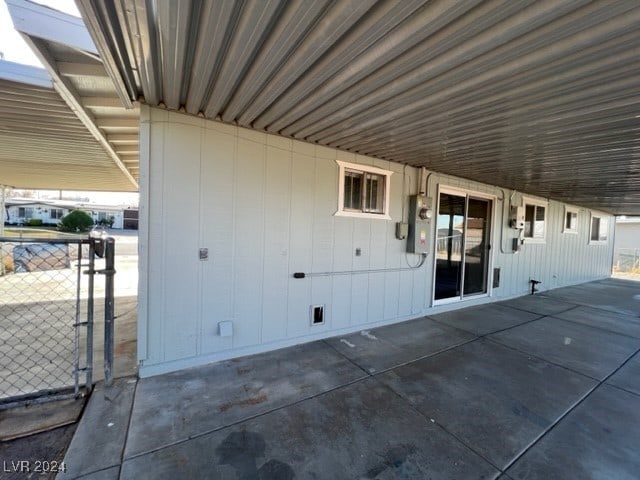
46, 316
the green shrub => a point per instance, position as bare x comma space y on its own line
76, 221
107, 222
34, 222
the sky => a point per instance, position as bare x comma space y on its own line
16, 50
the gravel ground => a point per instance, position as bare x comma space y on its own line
35, 450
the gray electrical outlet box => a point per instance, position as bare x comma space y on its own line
420, 213
402, 230
515, 245
516, 217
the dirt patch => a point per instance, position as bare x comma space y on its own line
627, 276
49, 447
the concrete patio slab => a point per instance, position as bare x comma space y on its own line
620, 296
493, 398
598, 440
485, 319
607, 320
540, 304
360, 431
386, 347
587, 350
628, 377
448, 405
99, 440
177, 406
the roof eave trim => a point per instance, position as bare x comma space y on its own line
25, 74
48, 24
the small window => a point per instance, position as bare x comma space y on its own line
570, 220
535, 221
363, 191
57, 213
25, 212
599, 229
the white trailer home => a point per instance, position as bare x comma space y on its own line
308, 169
19, 211
22, 211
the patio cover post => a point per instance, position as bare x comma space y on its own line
2, 194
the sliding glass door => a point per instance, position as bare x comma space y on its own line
462, 246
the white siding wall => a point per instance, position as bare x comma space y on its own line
263, 205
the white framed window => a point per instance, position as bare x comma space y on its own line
570, 220
535, 220
56, 213
599, 229
25, 212
363, 191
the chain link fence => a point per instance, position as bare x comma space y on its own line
626, 260
43, 318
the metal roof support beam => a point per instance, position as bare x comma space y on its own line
124, 139
72, 69
101, 102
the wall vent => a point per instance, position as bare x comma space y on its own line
317, 314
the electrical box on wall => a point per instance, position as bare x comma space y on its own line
516, 217
515, 245
402, 230
420, 213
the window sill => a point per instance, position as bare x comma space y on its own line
572, 232
376, 216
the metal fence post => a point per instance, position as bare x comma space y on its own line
109, 272
90, 287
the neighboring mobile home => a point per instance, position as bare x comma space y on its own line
19, 211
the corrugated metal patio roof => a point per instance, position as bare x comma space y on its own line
537, 96
64, 127
43, 144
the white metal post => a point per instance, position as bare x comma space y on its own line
2, 194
